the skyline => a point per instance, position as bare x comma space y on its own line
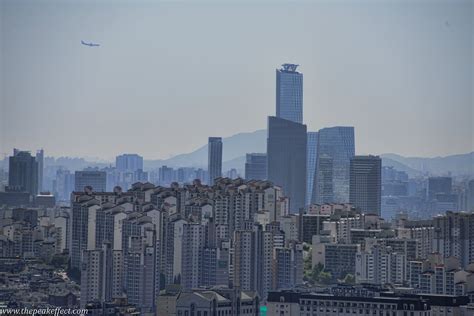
409, 71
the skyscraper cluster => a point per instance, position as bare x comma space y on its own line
312, 167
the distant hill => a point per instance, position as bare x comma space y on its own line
234, 149
236, 146
462, 164
387, 162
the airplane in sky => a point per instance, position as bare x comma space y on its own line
89, 44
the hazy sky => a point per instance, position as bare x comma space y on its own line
169, 74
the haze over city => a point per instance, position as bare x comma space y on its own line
174, 73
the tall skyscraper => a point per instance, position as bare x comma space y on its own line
40, 160
286, 159
94, 178
336, 144
23, 172
366, 183
311, 155
289, 93
214, 162
256, 166
129, 162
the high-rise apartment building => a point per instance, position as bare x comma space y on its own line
454, 236
288, 266
244, 258
192, 256
84, 211
289, 93
256, 166
214, 162
23, 172
366, 183
286, 159
311, 154
336, 146
94, 178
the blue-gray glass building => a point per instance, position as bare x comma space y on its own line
286, 159
94, 178
336, 145
311, 152
129, 162
256, 166
214, 162
23, 172
366, 183
323, 186
289, 93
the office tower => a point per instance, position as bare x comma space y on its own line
311, 152
439, 185
286, 159
214, 162
256, 166
454, 236
23, 172
63, 185
94, 178
336, 146
289, 93
323, 186
40, 160
129, 162
366, 183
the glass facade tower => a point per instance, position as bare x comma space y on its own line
289, 93
336, 146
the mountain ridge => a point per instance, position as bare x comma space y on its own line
236, 146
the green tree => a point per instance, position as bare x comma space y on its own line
349, 279
325, 277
